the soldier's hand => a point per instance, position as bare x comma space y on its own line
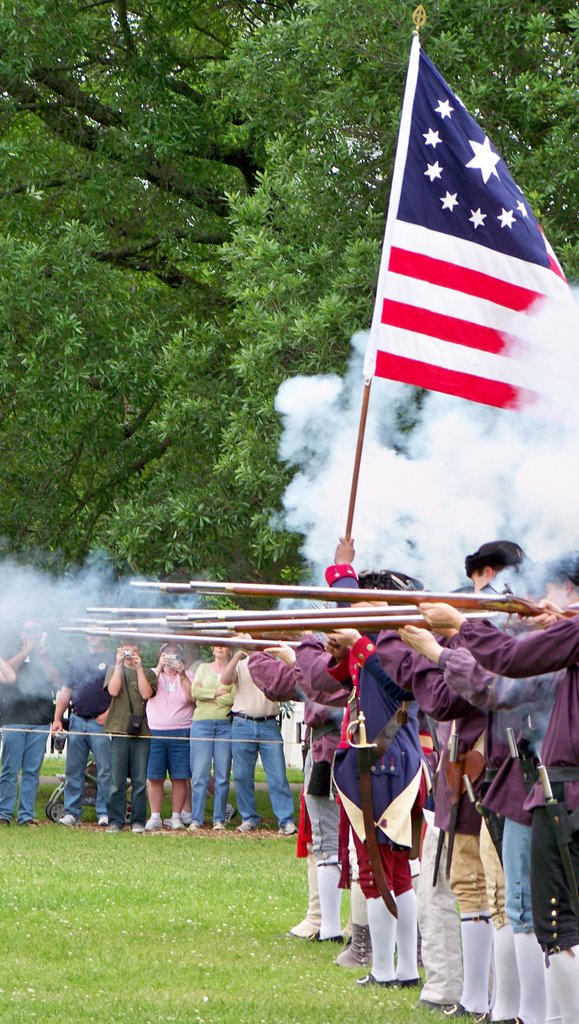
345, 551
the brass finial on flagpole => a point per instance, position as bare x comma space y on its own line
419, 18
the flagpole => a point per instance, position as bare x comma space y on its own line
419, 19
358, 457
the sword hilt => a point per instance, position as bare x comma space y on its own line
359, 723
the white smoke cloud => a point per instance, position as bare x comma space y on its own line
53, 601
465, 475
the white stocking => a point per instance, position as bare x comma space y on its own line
330, 898
383, 935
506, 991
477, 943
406, 936
531, 971
565, 968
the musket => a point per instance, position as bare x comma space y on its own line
108, 610
330, 621
507, 603
215, 616
202, 641
293, 613
287, 628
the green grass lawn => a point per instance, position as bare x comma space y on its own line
185, 928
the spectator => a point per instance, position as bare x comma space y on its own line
255, 730
130, 686
211, 739
90, 704
169, 716
30, 682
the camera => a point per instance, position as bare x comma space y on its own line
128, 653
171, 659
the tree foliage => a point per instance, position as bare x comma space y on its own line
192, 204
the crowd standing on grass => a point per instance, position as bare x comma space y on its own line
441, 780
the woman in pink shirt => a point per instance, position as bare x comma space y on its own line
169, 715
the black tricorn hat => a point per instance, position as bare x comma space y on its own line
564, 568
387, 579
497, 553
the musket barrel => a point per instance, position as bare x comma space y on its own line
374, 623
198, 639
496, 602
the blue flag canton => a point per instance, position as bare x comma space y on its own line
455, 181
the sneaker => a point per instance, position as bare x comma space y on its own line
29, 822
194, 826
138, 827
457, 1010
246, 826
369, 979
186, 818
4, 821
174, 824
103, 820
408, 982
425, 1004
153, 825
339, 939
218, 826
288, 829
113, 827
69, 820
230, 813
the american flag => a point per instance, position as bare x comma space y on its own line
465, 265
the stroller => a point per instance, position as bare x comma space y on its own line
55, 805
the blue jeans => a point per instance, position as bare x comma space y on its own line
129, 756
86, 735
517, 868
210, 742
22, 752
263, 738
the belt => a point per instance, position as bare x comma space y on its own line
86, 718
561, 773
254, 718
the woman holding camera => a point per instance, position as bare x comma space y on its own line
169, 715
211, 739
130, 686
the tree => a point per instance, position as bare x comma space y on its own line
193, 204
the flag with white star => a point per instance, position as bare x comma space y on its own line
464, 263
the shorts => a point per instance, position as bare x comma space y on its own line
169, 753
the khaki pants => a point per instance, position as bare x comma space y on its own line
495, 878
467, 877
